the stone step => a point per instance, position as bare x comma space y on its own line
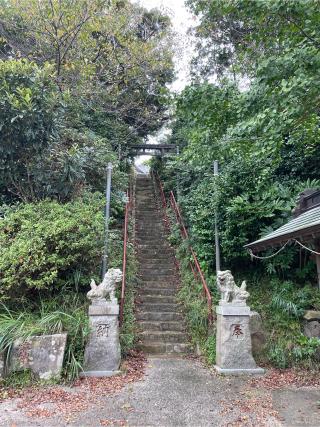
152, 246
169, 267
156, 284
157, 280
150, 226
159, 266
150, 230
153, 260
159, 316
150, 263
161, 326
146, 216
151, 239
163, 336
154, 299
156, 254
151, 347
151, 235
145, 190
157, 273
158, 291
159, 307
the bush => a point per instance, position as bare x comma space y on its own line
43, 244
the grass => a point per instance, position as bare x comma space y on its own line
281, 305
67, 314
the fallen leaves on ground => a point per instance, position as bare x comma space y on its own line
249, 410
254, 405
45, 402
281, 378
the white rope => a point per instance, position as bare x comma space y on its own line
281, 249
269, 256
308, 249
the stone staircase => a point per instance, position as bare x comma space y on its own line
157, 311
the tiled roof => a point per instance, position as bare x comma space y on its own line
304, 225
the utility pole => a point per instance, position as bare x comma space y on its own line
216, 231
106, 223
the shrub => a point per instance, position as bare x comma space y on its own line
43, 244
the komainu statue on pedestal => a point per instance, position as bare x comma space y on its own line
230, 292
107, 287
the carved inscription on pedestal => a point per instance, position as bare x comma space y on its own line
237, 331
102, 330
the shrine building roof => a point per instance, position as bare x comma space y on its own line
305, 227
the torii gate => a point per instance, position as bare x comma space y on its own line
152, 149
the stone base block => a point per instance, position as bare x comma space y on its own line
252, 371
99, 374
43, 355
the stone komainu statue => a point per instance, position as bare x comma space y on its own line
230, 292
106, 287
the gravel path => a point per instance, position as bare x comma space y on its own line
182, 392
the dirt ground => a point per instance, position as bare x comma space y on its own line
169, 392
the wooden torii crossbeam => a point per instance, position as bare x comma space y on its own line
152, 149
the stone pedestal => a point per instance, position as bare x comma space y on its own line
234, 352
102, 354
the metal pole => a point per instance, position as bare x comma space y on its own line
178, 184
106, 223
216, 231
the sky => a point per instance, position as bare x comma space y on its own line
181, 20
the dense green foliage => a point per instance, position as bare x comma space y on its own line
114, 57
44, 244
260, 120
281, 304
28, 111
79, 82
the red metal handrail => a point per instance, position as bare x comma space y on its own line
184, 234
124, 259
